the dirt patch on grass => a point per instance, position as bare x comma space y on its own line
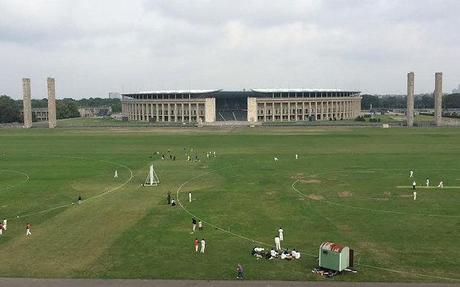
387, 194
344, 228
315, 196
345, 194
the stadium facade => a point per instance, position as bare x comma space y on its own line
257, 105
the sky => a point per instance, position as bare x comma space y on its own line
93, 47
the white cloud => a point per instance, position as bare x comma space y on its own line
93, 47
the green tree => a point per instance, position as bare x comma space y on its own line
66, 109
9, 110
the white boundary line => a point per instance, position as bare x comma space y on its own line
377, 267
90, 198
16, 184
375, 210
429, 187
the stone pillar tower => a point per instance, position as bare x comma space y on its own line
410, 99
27, 103
438, 99
51, 103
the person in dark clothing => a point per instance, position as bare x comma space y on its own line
169, 198
79, 199
193, 224
239, 272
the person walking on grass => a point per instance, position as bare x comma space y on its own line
193, 224
415, 195
203, 245
413, 185
28, 226
441, 184
280, 234
239, 272
277, 243
116, 174
197, 244
411, 173
200, 225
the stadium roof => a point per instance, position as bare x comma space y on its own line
177, 92
299, 90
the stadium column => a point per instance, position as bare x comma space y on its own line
265, 111
252, 109
51, 103
210, 110
438, 99
27, 103
410, 99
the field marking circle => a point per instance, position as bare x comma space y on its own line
18, 216
384, 211
27, 178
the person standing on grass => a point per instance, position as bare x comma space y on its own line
79, 199
296, 156
441, 184
189, 196
411, 173
203, 245
239, 272
116, 174
427, 182
168, 198
280, 234
28, 226
415, 195
200, 225
1, 229
193, 224
277, 243
197, 244
4, 223
413, 185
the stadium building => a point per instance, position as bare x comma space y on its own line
257, 105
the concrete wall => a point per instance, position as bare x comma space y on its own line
27, 103
252, 109
438, 99
51, 103
410, 99
210, 110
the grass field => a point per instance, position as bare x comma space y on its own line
343, 188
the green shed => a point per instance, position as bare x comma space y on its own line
334, 256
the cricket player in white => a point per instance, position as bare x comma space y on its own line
296, 156
427, 182
415, 195
4, 223
280, 232
441, 184
277, 243
275, 159
116, 174
411, 173
203, 245
413, 185
189, 197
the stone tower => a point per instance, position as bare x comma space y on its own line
51, 103
410, 99
27, 103
438, 99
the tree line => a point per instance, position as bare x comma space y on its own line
10, 110
426, 101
